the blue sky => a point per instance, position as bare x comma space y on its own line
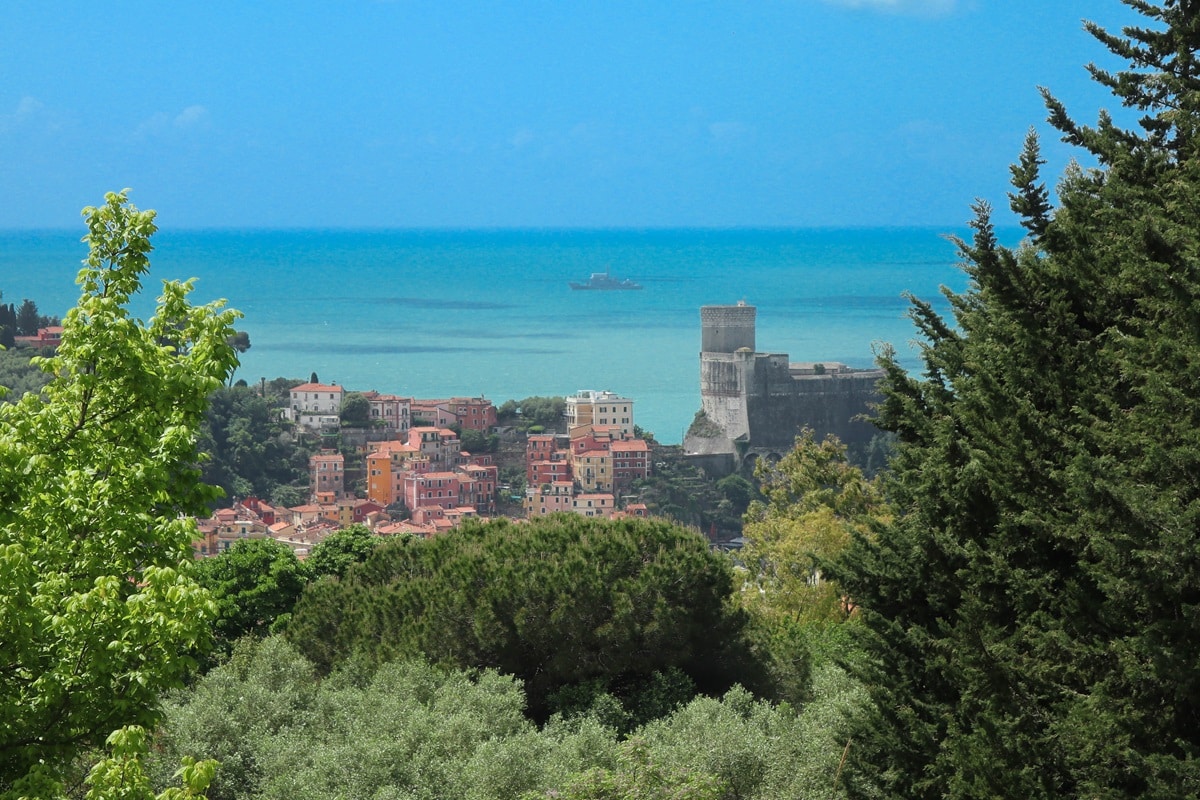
533, 114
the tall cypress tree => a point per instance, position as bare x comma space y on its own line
1032, 614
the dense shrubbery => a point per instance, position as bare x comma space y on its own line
557, 602
407, 729
251, 451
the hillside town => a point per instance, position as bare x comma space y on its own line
420, 480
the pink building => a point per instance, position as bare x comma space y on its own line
595, 504
473, 413
630, 462
545, 461
550, 499
441, 489
326, 476
390, 411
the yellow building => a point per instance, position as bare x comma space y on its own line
588, 407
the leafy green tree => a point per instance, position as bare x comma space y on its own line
408, 729
356, 410
334, 554
28, 318
8, 324
98, 476
637, 777
18, 374
1029, 617
738, 491
479, 441
250, 450
557, 601
813, 501
548, 412
253, 583
405, 730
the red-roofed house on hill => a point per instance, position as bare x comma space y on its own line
630, 462
474, 413
50, 337
441, 489
545, 460
390, 411
316, 405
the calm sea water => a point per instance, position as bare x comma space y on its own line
435, 314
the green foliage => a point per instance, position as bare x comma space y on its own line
121, 776
479, 441
738, 491
334, 554
637, 777
18, 374
28, 318
97, 475
408, 729
356, 410
1030, 615
253, 583
624, 707
546, 413
250, 450
680, 491
405, 730
813, 501
556, 601
733, 747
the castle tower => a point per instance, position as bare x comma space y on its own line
727, 329
726, 364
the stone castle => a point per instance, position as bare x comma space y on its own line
754, 404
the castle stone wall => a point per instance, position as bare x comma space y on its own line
727, 329
759, 405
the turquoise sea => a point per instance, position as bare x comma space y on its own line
440, 313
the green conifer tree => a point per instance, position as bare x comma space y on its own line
1031, 611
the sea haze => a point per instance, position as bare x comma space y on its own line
441, 313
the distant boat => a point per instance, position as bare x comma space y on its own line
603, 282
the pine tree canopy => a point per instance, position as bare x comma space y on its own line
1031, 612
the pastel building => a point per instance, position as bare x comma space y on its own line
473, 413
589, 407
545, 460
593, 504
316, 405
630, 462
550, 498
326, 476
593, 470
390, 411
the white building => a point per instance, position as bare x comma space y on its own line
316, 405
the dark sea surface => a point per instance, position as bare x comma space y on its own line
441, 313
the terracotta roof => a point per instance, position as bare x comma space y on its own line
317, 387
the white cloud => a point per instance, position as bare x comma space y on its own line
726, 131
918, 7
521, 138
161, 122
192, 115
27, 108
